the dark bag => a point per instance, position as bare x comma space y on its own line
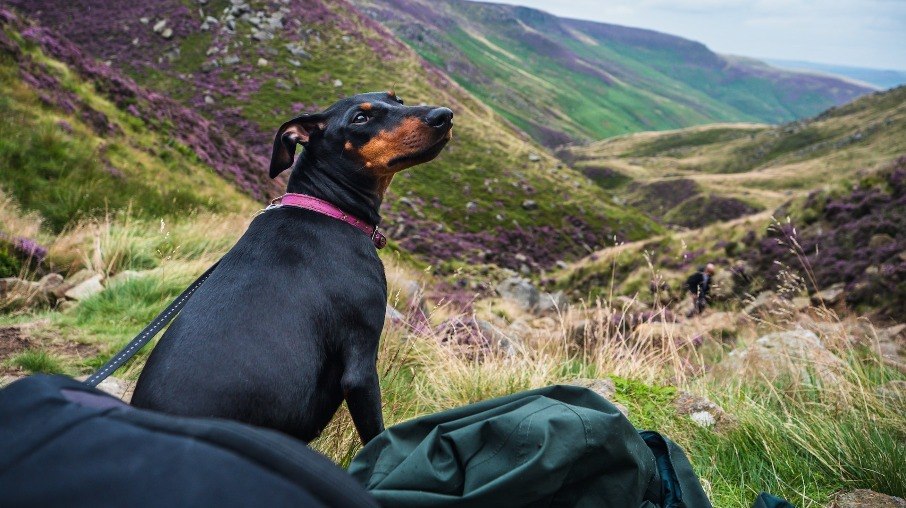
65, 444
560, 446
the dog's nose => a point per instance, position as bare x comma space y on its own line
439, 118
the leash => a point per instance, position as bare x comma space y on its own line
163, 319
145, 336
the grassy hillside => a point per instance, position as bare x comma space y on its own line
802, 438
68, 153
566, 80
745, 168
253, 65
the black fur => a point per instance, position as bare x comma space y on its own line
288, 325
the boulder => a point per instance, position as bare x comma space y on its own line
520, 291
829, 296
603, 387
551, 303
880, 240
86, 288
798, 354
864, 498
23, 292
763, 304
476, 337
702, 411
115, 386
626, 304
50, 282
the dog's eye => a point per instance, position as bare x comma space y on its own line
360, 118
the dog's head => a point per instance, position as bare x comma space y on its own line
373, 134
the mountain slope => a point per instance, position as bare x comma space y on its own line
883, 79
248, 66
565, 80
744, 168
69, 152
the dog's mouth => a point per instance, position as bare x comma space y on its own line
422, 156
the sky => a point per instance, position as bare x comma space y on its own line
859, 33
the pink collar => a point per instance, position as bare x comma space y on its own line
323, 207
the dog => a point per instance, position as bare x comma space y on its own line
288, 324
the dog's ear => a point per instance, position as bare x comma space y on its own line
296, 131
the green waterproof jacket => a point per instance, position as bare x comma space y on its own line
560, 446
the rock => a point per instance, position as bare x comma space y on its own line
800, 303
703, 419
262, 62
551, 303
702, 411
534, 157
830, 296
144, 21
476, 337
86, 288
296, 50
864, 498
764, 303
167, 33
115, 386
208, 99
893, 392
603, 387
530, 204
49, 284
125, 275
159, 26
337, 83
394, 316
23, 292
520, 291
880, 240
797, 353
627, 304
231, 60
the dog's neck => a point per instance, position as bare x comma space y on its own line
347, 190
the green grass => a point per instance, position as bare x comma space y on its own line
799, 442
37, 361
71, 173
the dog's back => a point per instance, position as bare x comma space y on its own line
263, 340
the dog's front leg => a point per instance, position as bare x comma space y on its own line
362, 392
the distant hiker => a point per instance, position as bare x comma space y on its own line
698, 284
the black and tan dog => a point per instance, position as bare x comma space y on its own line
287, 326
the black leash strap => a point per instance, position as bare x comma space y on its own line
149, 332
